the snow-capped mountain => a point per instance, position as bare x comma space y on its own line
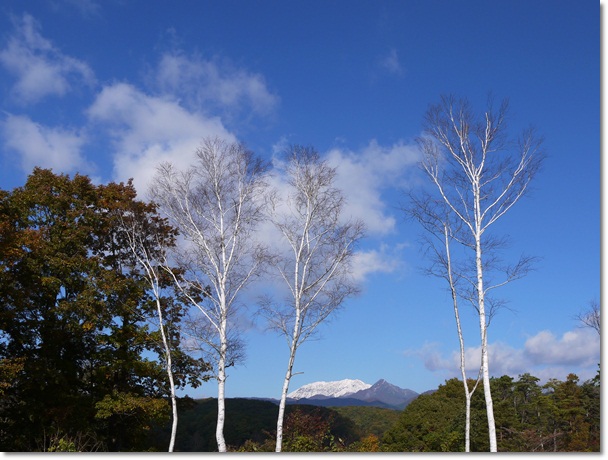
353, 393
337, 389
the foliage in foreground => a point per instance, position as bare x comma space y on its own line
560, 416
79, 349
251, 427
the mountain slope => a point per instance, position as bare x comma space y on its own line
386, 393
353, 393
336, 389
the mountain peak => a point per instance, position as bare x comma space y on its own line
335, 389
355, 392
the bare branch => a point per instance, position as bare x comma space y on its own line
216, 204
478, 175
591, 317
315, 265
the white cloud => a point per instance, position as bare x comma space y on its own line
47, 147
168, 125
373, 261
201, 83
543, 355
40, 68
149, 130
363, 176
578, 347
391, 64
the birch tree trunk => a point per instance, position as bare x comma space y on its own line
434, 216
138, 234
479, 180
216, 205
485, 366
317, 252
467, 393
285, 390
168, 367
221, 391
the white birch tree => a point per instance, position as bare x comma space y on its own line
435, 220
216, 205
316, 265
480, 173
148, 246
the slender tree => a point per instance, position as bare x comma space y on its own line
319, 249
480, 174
149, 239
216, 205
434, 217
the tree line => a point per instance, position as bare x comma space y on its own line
557, 416
111, 303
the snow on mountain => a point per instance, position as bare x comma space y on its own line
335, 389
353, 393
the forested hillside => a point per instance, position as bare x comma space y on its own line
560, 416
251, 426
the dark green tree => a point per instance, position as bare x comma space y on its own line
76, 342
556, 417
435, 423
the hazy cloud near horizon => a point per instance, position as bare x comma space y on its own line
543, 355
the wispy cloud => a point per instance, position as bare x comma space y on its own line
382, 260
543, 355
214, 83
40, 68
390, 63
47, 147
86, 8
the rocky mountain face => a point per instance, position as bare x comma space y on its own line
353, 393
386, 393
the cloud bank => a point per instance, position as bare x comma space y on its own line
543, 355
186, 97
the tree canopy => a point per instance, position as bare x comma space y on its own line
78, 349
560, 416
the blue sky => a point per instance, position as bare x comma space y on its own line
112, 88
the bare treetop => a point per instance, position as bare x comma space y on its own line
465, 155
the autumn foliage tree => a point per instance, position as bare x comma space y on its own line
75, 337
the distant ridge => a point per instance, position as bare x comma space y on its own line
334, 389
350, 392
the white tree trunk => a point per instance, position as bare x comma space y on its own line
221, 390
169, 374
483, 326
467, 393
288, 375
